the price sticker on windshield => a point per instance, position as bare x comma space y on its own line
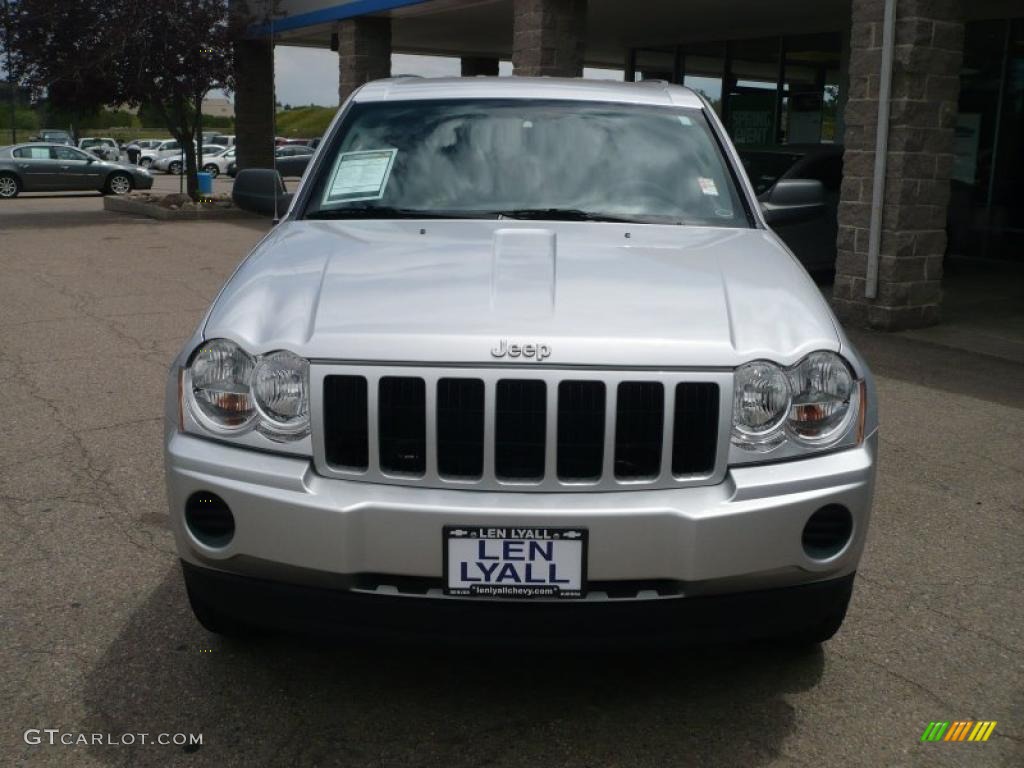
361, 176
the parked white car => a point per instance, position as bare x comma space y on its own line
221, 139
104, 148
151, 154
174, 160
218, 164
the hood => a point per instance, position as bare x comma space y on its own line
592, 294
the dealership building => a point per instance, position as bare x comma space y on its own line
946, 78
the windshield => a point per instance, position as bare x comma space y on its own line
566, 160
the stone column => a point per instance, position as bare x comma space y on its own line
254, 103
479, 65
549, 37
923, 109
364, 52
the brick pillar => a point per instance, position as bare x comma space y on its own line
549, 37
923, 108
479, 65
254, 103
364, 52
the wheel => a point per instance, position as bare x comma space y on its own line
214, 620
212, 169
146, 162
822, 631
174, 168
9, 185
119, 184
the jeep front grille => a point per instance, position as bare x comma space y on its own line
525, 429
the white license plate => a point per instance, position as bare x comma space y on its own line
513, 562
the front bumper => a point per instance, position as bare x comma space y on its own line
765, 613
142, 182
295, 526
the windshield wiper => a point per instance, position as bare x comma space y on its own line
574, 214
388, 212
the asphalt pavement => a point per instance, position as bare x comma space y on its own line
97, 636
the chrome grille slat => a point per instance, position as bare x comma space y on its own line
372, 425
551, 429
667, 427
430, 430
489, 409
611, 410
710, 428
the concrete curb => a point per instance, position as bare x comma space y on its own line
154, 211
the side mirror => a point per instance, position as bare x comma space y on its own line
793, 200
260, 190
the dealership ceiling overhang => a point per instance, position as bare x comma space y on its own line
484, 27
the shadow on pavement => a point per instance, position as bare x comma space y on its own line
48, 219
282, 701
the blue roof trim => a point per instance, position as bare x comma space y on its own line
334, 13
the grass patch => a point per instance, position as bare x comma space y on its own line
304, 122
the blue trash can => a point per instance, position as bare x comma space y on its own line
205, 183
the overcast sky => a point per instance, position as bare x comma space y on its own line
310, 75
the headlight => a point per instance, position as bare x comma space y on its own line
219, 379
812, 403
281, 388
823, 392
761, 399
230, 392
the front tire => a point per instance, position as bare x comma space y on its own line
118, 184
9, 186
214, 620
212, 169
174, 168
823, 630
146, 162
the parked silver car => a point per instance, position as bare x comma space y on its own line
61, 168
166, 147
173, 162
522, 356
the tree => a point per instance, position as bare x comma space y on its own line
165, 54
182, 53
50, 42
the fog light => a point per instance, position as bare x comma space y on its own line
209, 519
827, 532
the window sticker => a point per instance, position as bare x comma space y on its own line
684, 120
361, 176
707, 186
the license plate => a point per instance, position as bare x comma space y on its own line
512, 562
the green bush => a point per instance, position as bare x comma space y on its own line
25, 119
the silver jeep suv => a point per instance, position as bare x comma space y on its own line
522, 356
